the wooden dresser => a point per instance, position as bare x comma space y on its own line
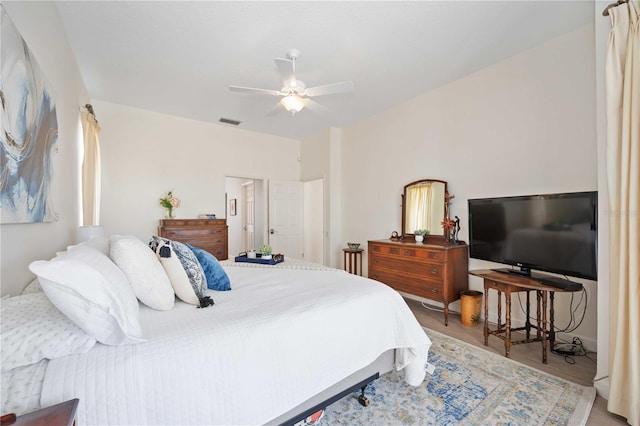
434, 271
208, 234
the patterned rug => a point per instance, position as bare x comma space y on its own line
470, 386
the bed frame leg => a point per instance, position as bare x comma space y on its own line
363, 400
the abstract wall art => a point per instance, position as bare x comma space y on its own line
29, 132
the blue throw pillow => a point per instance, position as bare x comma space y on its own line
217, 278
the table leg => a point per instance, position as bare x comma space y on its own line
344, 256
486, 313
499, 310
446, 313
527, 323
538, 300
544, 326
507, 323
552, 331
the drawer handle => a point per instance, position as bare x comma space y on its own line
376, 261
434, 271
434, 255
393, 251
434, 290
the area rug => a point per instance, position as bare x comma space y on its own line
470, 386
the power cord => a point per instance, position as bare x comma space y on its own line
571, 350
436, 308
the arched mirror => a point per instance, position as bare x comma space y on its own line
423, 206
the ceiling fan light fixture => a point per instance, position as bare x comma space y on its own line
293, 103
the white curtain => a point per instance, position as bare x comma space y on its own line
90, 170
623, 177
420, 200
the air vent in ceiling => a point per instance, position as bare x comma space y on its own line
229, 121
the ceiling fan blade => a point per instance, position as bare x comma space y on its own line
254, 90
276, 109
316, 107
330, 89
286, 69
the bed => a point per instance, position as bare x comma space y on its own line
284, 339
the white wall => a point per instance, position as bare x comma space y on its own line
522, 126
313, 221
315, 163
602, 29
40, 27
145, 154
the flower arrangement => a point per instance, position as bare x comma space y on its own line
422, 232
170, 202
448, 224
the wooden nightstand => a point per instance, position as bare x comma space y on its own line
353, 257
58, 415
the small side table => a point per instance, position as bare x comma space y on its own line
509, 284
353, 257
63, 414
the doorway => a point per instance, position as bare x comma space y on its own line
245, 214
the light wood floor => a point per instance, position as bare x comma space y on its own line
582, 372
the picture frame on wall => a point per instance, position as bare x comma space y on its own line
232, 207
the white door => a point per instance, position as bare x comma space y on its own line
249, 215
285, 217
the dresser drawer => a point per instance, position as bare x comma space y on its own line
424, 254
208, 234
194, 233
433, 271
409, 283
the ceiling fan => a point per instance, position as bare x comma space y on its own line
295, 94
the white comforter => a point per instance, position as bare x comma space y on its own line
279, 337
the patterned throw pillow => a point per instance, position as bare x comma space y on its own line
192, 267
174, 269
33, 329
217, 278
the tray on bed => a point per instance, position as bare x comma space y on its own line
276, 258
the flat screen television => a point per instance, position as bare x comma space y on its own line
553, 233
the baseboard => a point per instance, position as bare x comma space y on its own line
602, 387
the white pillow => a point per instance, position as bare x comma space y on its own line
90, 289
33, 329
99, 243
145, 273
175, 271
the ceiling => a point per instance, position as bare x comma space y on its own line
179, 57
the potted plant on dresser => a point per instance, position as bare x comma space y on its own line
419, 234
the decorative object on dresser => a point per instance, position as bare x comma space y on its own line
208, 234
419, 234
434, 271
170, 202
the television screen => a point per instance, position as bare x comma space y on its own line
553, 233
